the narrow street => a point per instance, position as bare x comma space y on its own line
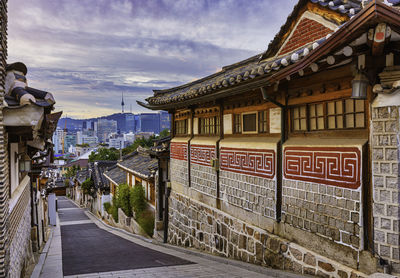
91, 249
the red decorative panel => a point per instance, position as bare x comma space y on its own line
339, 166
202, 154
307, 31
179, 150
259, 163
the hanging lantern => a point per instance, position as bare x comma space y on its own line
360, 85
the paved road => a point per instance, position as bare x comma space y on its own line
92, 249
86, 248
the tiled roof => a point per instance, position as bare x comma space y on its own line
98, 168
140, 163
82, 175
251, 68
116, 174
161, 145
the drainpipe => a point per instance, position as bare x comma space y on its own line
166, 212
189, 142
279, 151
221, 136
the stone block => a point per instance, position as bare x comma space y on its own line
342, 274
377, 154
309, 259
298, 255
242, 241
326, 266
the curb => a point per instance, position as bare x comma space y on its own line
248, 266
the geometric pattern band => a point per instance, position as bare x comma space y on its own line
202, 154
255, 162
338, 166
179, 151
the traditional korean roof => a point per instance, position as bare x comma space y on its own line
161, 146
265, 69
140, 163
115, 174
97, 169
81, 176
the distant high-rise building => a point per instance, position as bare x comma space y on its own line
105, 128
57, 140
165, 120
69, 140
129, 122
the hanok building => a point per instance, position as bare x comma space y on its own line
290, 158
140, 169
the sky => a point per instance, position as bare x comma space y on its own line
90, 52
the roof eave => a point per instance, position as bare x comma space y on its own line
373, 10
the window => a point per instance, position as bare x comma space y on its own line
237, 123
299, 115
209, 125
249, 122
317, 121
263, 122
181, 127
330, 115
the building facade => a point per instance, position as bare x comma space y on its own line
289, 158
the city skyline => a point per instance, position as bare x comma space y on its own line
110, 47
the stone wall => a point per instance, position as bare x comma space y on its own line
328, 211
203, 179
252, 193
193, 224
4, 176
20, 234
179, 168
386, 187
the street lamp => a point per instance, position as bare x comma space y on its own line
360, 85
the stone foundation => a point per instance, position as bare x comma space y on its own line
193, 224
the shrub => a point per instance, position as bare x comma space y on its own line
114, 209
137, 199
107, 207
123, 199
146, 221
87, 187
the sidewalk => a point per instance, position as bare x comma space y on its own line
50, 261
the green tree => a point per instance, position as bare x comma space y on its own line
138, 199
123, 199
71, 171
104, 154
164, 133
88, 187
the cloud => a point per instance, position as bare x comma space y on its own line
87, 52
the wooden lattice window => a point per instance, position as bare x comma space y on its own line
237, 123
209, 125
354, 113
299, 118
317, 119
181, 127
337, 114
263, 122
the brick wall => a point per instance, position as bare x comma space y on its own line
385, 159
307, 31
203, 176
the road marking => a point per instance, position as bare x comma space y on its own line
66, 223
